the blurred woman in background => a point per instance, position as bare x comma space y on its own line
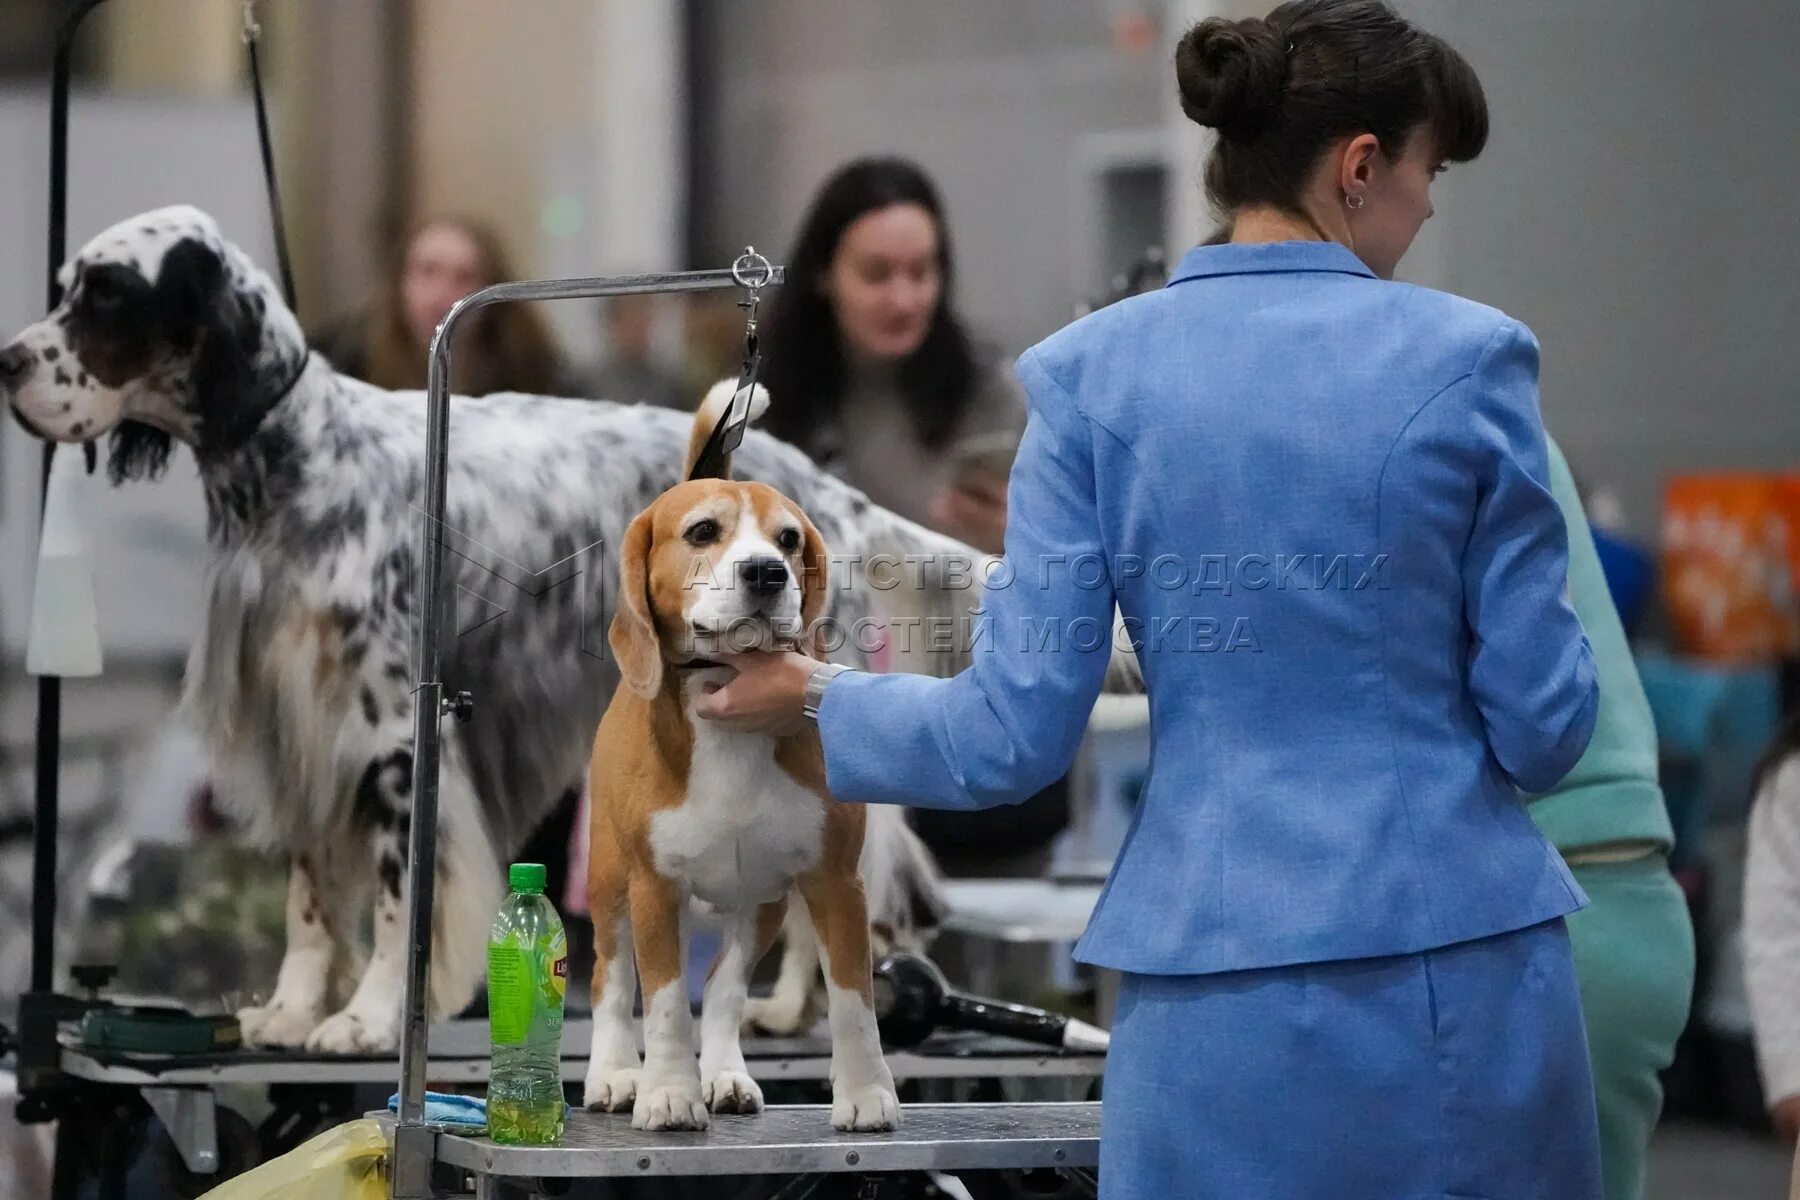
502, 348
869, 368
871, 371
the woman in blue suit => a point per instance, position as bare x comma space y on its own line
1320, 499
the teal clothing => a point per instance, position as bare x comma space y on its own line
1634, 942
1612, 794
1634, 966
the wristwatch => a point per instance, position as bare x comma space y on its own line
814, 695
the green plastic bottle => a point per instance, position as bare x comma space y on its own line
528, 971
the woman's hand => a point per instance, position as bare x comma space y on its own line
974, 508
1784, 1114
767, 695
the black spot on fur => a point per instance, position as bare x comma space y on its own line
78, 428
346, 617
395, 670
147, 230
381, 796
67, 405
51, 354
62, 378
390, 875
81, 379
371, 710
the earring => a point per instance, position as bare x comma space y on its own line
1355, 202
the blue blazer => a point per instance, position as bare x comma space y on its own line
1321, 502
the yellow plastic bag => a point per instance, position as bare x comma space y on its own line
345, 1163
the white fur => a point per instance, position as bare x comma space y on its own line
862, 1087
746, 829
669, 1095
726, 1085
612, 1075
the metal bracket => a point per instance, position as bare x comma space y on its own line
191, 1116
410, 1162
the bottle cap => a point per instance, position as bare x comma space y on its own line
526, 877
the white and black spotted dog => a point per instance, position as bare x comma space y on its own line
300, 683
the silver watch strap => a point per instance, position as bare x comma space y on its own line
814, 695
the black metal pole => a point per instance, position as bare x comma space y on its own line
49, 710
41, 1008
49, 686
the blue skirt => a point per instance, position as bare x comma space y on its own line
1455, 1074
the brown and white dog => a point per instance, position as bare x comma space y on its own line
684, 811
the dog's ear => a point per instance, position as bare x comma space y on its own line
632, 634
187, 289
813, 580
203, 313
137, 451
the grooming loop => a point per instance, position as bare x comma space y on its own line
751, 272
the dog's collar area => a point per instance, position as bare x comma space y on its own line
268, 404
293, 380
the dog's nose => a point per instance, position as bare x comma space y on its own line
764, 576
15, 360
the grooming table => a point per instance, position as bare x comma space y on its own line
181, 1089
791, 1141
459, 1054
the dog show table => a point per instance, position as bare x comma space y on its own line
459, 1055
184, 1091
790, 1141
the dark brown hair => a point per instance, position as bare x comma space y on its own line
504, 348
803, 354
1280, 88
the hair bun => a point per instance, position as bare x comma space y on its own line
1231, 75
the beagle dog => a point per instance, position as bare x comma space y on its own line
686, 812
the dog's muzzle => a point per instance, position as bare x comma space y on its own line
764, 577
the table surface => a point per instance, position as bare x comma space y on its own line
459, 1054
797, 1140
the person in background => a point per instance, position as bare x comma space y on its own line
1772, 926
629, 372
1634, 943
869, 368
502, 348
873, 373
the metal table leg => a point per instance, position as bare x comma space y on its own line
192, 1119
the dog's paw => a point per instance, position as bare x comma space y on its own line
350, 1032
774, 1015
277, 1025
871, 1109
732, 1092
669, 1106
610, 1089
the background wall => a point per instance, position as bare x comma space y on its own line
1637, 207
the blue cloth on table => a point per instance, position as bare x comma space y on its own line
450, 1111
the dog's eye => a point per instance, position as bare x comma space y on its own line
788, 539
102, 292
702, 532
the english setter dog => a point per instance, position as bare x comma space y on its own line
301, 681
